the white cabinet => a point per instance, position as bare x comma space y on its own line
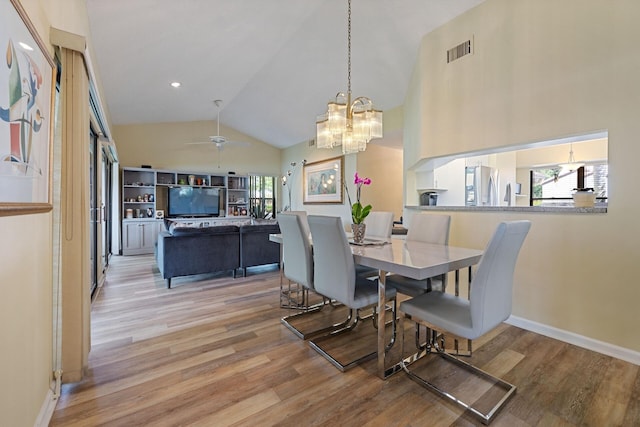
140, 237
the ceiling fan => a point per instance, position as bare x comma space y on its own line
218, 140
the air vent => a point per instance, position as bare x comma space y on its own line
312, 142
459, 51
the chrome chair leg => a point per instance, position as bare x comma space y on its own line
305, 335
315, 343
438, 350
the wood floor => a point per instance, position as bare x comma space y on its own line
212, 352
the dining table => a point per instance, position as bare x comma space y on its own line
417, 260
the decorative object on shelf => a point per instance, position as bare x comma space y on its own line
323, 181
26, 116
286, 181
346, 123
571, 164
192, 180
358, 212
129, 213
159, 214
150, 212
584, 197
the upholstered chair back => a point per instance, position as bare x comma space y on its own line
492, 285
297, 255
334, 268
379, 225
429, 228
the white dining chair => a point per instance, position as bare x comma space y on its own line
427, 228
379, 225
334, 276
488, 306
297, 259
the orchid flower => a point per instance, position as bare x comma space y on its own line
359, 213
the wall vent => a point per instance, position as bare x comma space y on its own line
459, 51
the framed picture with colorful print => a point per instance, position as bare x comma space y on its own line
323, 181
26, 115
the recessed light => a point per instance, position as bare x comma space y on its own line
175, 84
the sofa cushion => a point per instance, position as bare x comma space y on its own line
178, 230
272, 228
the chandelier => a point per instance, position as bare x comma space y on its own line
347, 123
571, 164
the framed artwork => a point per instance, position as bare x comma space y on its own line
323, 181
26, 114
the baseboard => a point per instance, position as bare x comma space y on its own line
46, 410
578, 340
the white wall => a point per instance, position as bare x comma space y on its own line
544, 69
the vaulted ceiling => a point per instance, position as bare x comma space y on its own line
274, 63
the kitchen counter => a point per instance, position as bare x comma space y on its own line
531, 209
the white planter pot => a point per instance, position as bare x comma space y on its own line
584, 199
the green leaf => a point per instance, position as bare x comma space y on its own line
358, 213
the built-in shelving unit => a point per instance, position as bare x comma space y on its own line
238, 196
145, 201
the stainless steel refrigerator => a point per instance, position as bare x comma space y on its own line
481, 186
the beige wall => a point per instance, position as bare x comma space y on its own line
26, 303
26, 325
544, 69
164, 146
384, 166
25, 316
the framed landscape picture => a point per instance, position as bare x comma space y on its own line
26, 115
323, 181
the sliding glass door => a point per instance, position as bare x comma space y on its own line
93, 211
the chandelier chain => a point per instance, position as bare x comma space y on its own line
349, 49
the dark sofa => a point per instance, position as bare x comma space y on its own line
255, 247
196, 250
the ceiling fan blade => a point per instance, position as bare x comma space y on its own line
219, 141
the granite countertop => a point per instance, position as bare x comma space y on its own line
532, 209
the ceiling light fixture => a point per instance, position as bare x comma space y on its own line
346, 123
175, 84
571, 164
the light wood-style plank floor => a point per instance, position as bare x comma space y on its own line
212, 352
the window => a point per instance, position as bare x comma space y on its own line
553, 186
262, 195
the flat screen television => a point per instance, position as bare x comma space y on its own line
190, 201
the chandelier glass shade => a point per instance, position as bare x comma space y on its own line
349, 124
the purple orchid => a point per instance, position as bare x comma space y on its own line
359, 213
